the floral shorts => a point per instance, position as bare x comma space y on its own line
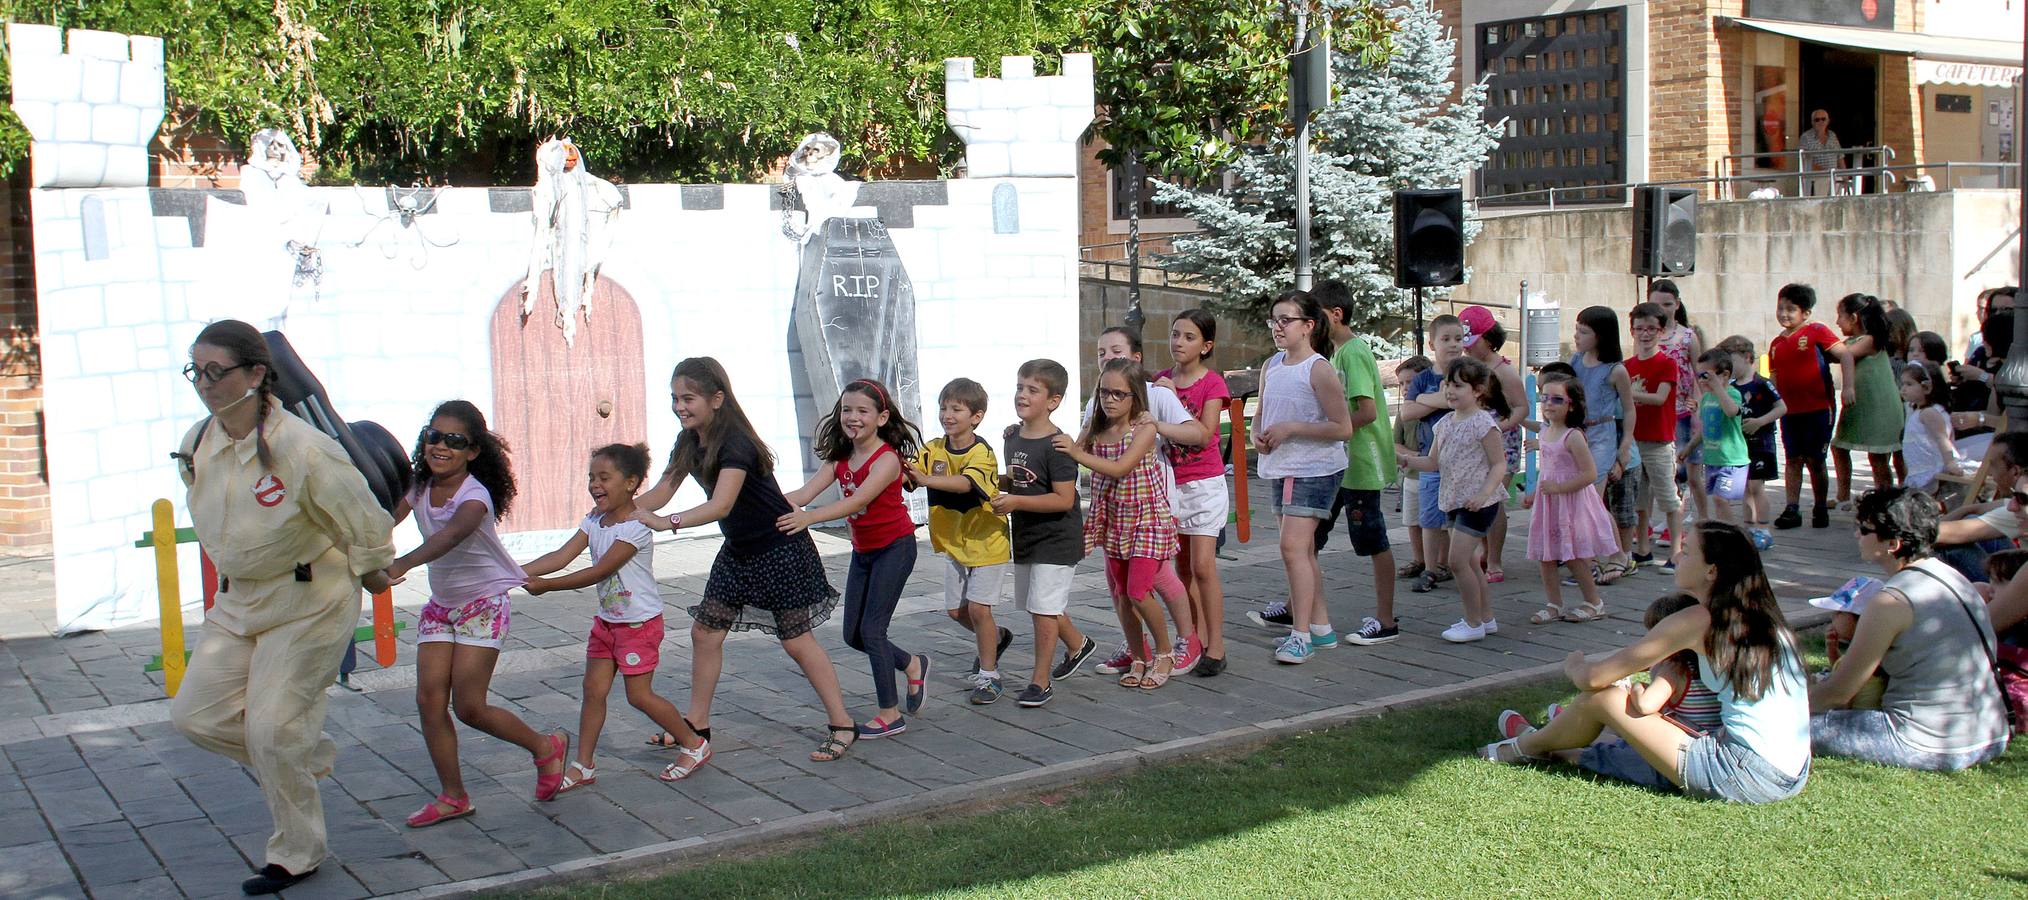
480, 623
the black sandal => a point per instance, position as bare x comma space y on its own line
666, 740
833, 749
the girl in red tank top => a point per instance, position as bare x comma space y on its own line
864, 439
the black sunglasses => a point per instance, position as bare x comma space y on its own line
450, 439
212, 373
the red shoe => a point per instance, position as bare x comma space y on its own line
546, 785
1188, 653
436, 812
1120, 662
1513, 724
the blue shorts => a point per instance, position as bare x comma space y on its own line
1475, 522
1713, 768
1364, 522
1725, 482
1310, 497
1806, 435
1431, 515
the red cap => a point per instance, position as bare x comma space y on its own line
1478, 320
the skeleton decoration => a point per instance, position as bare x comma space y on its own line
814, 180
274, 169
574, 212
272, 181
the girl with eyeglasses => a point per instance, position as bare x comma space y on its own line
463, 485
1129, 515
1567, 520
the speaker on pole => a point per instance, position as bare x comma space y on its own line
1429, 238
1665, 231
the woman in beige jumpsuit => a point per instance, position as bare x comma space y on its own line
294, 532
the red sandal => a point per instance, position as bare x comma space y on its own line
547, 785
436, 813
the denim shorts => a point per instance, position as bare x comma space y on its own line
1431, 515
1309, 497
1870, 735
1364, 523
1712, 767
1475, 522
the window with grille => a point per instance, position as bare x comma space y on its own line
1149, 208
1559, 82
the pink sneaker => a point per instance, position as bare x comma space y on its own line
1188, 653
1514, 724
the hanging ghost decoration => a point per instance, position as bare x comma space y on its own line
813, 171
574, 212
281, 205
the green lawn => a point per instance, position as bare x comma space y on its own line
1395, 805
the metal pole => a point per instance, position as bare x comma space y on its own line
2014, 374
1418, 322
1299, 99
1134, 316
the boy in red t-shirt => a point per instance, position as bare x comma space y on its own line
1654, 376
1803, 377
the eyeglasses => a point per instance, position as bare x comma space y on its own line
1285, 321
1113, 395
1645, 329
1820, 119
209, 374
1555, 401
450, 439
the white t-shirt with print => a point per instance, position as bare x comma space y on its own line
629, 595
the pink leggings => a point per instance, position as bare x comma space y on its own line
1140, 576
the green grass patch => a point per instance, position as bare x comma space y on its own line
1396, 805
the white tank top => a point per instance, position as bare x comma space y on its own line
1285, 396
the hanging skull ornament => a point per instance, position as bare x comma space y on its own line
573, 213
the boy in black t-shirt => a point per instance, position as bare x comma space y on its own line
1760, 407
1041, 494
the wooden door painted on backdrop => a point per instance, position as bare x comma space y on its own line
555, 404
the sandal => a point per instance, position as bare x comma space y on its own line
1497, 577
1612, 572
1159, 674
1589, 612
1135, 672
1509, 752
1409, 571
546, 783
666, 739
435, 812
1550, 612
916, 693
687, 762
833, 749
585, 775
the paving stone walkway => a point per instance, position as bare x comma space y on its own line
99, 796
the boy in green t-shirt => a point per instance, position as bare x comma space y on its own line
1369, 464
1719, 435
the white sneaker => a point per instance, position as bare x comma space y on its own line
1463, 633
1492, 626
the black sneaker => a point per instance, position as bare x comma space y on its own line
1069, 666
1209, 666
1006, 639
272, 879
1275, 615
1034, 695
1820, 518
1372, 632
1790, 518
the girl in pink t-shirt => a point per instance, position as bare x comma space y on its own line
1201, 502
463, 485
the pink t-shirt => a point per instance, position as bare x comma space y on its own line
1197, 464
478, 566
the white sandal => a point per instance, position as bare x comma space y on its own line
1509, 752
695, 759
585, 775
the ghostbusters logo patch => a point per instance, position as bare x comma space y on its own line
269, 491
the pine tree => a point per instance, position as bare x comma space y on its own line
1390, 125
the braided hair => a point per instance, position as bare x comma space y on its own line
245, 345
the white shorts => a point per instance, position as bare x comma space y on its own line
1042, 589
1201, 507
984, 585
1411, 500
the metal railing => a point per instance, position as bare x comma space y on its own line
1722, 187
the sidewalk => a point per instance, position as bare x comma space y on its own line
105, 799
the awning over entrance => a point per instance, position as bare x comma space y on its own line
1929, 71
1921, 46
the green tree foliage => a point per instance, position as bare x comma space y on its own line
462, 91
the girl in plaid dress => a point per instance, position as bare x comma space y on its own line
1129, 515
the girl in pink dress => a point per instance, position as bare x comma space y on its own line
1568, 523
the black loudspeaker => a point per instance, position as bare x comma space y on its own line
1429, 238
1665, 231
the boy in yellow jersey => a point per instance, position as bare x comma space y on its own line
962, 476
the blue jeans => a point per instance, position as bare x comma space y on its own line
1870, 735
1712, 767
873, 585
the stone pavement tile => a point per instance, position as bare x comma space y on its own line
365, 776
201, 859
332, 882
536, 838
393, 876
462, 851
736, 801
43, 756
602, 823
71, 798
856, 774
20, 826
109, 853
918, 767
145, 811
36, 870
355, 835
962, 750
184, 759
158, 886
812, 794
672, 814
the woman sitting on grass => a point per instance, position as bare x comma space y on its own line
1927, 630
1745, 654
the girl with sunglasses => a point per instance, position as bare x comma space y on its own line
463, 485
1567, 520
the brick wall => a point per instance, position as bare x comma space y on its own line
1693, 86
24, 484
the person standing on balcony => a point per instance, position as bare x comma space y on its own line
1819, 153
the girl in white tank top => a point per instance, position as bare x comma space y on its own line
1300, 431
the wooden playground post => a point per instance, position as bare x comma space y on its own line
164, 540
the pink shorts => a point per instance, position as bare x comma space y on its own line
1141, 576
479, 623
635, 646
